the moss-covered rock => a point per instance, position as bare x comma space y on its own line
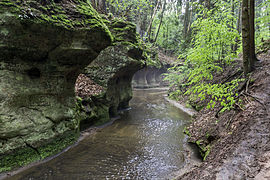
28, 154
204, 144
43, 48
113, 69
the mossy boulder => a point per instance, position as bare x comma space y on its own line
43, 47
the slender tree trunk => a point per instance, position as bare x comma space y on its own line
161, 19
246, 36
138, 24
93, 2
207, 4
232, 46
252, 33
186, 19
190, 18
238, 28
149, 29
167, 39
103, 6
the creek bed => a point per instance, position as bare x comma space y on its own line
145, 143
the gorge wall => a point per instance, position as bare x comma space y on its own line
152, 75
149, 77
111, 73
43, 47
49, 52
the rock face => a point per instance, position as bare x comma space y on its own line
149, 77
113, 70
41, 55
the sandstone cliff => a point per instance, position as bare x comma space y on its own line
44, 45
112, 72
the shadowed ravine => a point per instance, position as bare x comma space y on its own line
146, 143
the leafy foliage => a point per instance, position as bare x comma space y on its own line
131, 8
205, 38
211, 52
170, 32
262, 22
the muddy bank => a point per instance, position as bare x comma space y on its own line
237, 141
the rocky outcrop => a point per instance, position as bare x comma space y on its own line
112, 70
43, 47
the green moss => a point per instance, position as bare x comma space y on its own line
82, 16
186, 131
204, 150
27, 155
207, 152
123, 31
58, 144
102, 115
93, 20
99, 113
19, 158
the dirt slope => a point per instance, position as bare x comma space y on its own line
240, 140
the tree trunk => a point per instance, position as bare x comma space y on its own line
138, 24
246, 36
252, 33
190, 18
238, 28
149, 29
161, 19
207, 4
103, 6
186, 19
232, 25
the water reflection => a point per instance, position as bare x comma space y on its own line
146, 143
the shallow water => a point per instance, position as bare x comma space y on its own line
146, 143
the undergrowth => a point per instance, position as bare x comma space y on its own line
195, 72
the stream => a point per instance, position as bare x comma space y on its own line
145, 143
